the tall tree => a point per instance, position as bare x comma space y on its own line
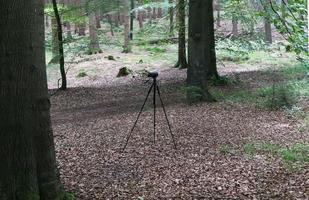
182, 55
201, 47
94, 46
171, 16
132, 15
126, 14
60, 46
267, 26
27, 168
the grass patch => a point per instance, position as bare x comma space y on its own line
250, 149
81, 74
297, 153
225, 148
155, 50
291, 84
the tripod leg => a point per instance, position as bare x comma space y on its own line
168, 123
154, 111
130, 133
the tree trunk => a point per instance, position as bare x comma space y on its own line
81, 27
182, 60
218, 6
171, 15
235, 27
109, 19
55, 41
140, 19
154, 13
126, 14
201, 47
46, 21
69, 31
131, 19
98, 19
60, 48
94, 46
267, 26
160, 13
27, 168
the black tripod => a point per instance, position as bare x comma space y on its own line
155, 88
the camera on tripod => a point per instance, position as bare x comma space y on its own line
153, 74
155, 89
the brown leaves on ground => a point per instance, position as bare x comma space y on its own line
91, 125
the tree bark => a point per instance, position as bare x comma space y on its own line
98, 19
182, 55
201, 47
94, 46
81, 27
140, 17
110, 21
55, 41
267, 26
60, 47
27, 168
131, 19
234, 27
171, 15
126, 14
218, 6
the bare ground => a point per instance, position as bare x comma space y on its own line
92, 119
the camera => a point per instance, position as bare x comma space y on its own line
153, 74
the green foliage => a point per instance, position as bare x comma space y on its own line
250, 149
291, 20
225, 148
237, 50
155, 50
241, 10
110, 57
81, 74
124, 71
280, 95
297, 152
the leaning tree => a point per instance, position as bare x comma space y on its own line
201, 47
27, 157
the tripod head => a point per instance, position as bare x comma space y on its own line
153, 74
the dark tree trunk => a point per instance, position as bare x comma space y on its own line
131, 19
109, 19
234, 27
98, 19
81, 27
201, 48
60, 43
171, 15
27, 168
182, 60
160, 13
126, 17
55, 41
267, 26
69, 30
154, 13
94, 46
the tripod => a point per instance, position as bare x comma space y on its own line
155, 88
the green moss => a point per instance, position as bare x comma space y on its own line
124, 71
81, 74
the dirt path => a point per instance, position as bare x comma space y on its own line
91, 124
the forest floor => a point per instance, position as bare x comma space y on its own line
237, 148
